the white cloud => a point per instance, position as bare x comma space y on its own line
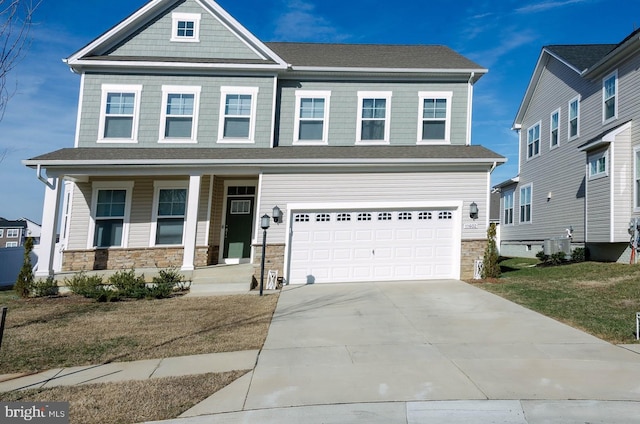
300, 22
510, 40
547, 5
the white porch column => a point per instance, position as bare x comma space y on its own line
50, 211
191, 223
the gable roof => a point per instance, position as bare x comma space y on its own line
587, 60
6, 223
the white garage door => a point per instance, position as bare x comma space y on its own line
378, 245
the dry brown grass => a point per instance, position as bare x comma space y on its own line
130, 402
69, 331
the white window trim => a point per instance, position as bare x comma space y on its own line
595, 158
613, 74
13, 232
119, 88
387, 115
11, 244
176, 17
520, 204
511, 193
178, 89
569, 137
110, 185
539, 125
551, 146
157, 186
448, 96
307, 94
253, 91
1, 232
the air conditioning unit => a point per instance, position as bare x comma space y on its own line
557, 244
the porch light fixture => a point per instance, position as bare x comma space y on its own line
265, 221
473, 210
277, 214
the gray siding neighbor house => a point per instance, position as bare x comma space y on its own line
190, 129
579, 168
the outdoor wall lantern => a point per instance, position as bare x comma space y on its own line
473, 210
277, 214
264, 224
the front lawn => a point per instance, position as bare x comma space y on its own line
599, 298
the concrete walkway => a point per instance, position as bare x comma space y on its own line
424, 352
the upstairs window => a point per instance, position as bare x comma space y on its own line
574, 117
179, 121
435, 117
507, 199
373, 117
525, 204
533, 141
609, 97
119, 113
13, 232
237, 115
554, 138
185, 27
312, 116
598, 165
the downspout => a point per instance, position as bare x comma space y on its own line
469, 107
52, 186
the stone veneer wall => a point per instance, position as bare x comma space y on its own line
472, 250
273, 260
149, 257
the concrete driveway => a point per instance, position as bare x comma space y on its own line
409, 346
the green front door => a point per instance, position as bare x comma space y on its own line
238, 227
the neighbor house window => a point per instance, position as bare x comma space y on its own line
1, 232
609, 97
110, 212
525, 203
185, 27
312, 117
13, 232
170, 200
574, 116
508, 207
119, 113
598, 165
237, 114
533, 141
11, 244
179, 120
435, 116
554, 136
373, 117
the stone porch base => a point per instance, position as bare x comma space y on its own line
127, 258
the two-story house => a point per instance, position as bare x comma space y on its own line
579, 152
190, 129
12, 232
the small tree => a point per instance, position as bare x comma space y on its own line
24, 283
491, 267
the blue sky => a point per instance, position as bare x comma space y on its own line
504, 36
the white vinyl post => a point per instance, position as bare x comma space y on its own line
50, 211
191, 223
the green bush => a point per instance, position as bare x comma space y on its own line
579, 254
542, 257
491, 268
43, 288
128, 284
557, 258
165, 283
84, 285
24, 282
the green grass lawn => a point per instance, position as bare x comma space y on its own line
599, 298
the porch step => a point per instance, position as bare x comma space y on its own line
221, 279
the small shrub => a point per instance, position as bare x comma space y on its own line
43, 288
557, 258
165, 283
24, 282
128, 284
84, 285
579, 254
542, 257
491, 258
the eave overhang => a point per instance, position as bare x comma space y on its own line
605, 138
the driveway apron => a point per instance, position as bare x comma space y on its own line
427, 340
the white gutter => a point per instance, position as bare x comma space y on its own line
43, 179
389, 70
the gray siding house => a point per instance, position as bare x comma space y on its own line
579, 150
190, 129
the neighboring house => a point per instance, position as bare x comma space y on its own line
12, 233
33, 230
579, 168
190, 129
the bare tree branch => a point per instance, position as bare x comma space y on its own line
15, 21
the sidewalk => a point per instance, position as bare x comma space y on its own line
134, 370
